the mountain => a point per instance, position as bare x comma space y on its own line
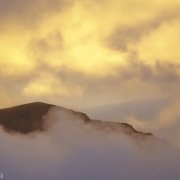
141, 109
24, 118
29, 118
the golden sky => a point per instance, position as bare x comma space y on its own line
87, 53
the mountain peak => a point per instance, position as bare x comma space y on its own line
24, 118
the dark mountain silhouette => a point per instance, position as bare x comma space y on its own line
24, 118
28, 118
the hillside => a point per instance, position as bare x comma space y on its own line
31, 117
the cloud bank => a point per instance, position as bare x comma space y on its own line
73, 150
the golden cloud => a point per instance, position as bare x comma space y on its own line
114, 48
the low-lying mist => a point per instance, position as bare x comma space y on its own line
73, 150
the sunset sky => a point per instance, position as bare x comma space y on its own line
86, 53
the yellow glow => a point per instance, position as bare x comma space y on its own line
162, 44
48, 85
76, 38
13, 55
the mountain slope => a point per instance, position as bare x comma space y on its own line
24, 118
31, 117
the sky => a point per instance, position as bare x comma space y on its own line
86, 53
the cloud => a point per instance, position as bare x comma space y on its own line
33, 11
157, 115
141, 109
74, 150
125, 37
86, 53
161, 45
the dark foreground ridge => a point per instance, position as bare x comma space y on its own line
28, 118
24, 118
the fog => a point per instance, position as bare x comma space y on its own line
71, 149
159, 116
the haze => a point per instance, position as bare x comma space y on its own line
72, 149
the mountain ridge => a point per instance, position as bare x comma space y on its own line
29, 118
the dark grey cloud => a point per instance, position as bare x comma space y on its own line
123, 35
57, 39
28, 13
21, 7
160, 71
